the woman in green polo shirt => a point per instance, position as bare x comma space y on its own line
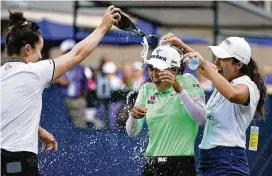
173, 107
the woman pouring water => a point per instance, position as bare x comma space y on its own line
23, 80
173, 107
239, 93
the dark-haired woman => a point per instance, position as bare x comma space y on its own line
173, 107
239, 93
23, 79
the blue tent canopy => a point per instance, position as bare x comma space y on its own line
265, 41
53, 31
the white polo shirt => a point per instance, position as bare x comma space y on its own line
21, 103
227, 122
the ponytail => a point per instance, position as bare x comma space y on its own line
252, 71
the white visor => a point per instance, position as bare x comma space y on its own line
159, 64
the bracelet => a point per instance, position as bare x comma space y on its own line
202, 64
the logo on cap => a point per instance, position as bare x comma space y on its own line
8, 67
158, 50
228, 42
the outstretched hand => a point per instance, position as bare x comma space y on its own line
191, 55
111, 17
203, 64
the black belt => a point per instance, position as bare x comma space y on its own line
169, 159
22, 154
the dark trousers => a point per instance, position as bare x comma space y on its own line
19, 163
227, 161
170, 166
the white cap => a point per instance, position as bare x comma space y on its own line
233, 47
164, 57
67, 45
109, 67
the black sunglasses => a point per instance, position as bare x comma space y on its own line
150, 67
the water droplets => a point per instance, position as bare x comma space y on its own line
145, 49
127, 38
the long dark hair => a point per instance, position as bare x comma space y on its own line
252, 70
20, 33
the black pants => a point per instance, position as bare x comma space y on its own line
170, 166
19, 163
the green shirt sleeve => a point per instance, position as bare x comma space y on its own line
141, 98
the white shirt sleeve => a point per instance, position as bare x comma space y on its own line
45, 70
254, 92
195, 107
134, 126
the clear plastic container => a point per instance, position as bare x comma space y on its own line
192, 63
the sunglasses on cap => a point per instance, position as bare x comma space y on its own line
150, 67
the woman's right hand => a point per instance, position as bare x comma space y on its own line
85, 47
111, 17
138, 112
202, 63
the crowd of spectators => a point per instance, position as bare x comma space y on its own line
96, 97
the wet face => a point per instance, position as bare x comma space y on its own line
226, 68
154, 76
34, 54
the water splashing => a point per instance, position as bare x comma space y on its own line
145, 49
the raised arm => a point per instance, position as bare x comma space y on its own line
236, 94
195, 106
170, 38
88, 45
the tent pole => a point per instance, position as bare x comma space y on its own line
215, 23
75, 17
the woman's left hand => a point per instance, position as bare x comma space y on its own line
48, 140
168, 76
202, 64
195, 54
